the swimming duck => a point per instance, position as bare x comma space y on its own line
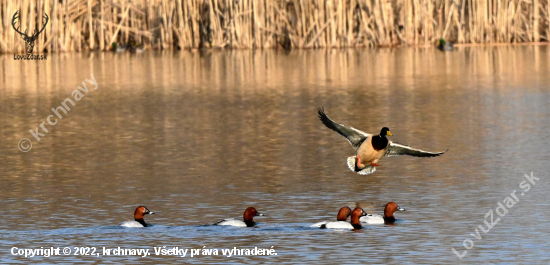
445, 46
388, 217
118, 47
353, 224
248, 216
341, 216
134, 47
370, 148
138, 216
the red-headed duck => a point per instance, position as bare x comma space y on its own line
248, 217
353, 224
369, 147
388, 217
138, 216
342, 215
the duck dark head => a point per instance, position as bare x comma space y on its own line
391, 208
249, 214
385, 131
343, 214
355, 216
141, 211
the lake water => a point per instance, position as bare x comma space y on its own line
200, 136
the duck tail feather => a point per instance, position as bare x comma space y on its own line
367, 170
351, 163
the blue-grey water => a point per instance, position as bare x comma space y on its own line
200, 136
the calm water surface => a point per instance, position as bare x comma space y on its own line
197, 137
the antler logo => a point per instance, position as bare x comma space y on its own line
29, 40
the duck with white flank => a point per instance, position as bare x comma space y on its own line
248, 219
356, 214
138, 218
388, 217
444, 46
342, 216
370, 148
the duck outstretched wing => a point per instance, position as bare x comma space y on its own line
395, 149
355, 137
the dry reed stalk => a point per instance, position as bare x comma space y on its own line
120, 24
90, 24
179, 10
536, 20
101, 28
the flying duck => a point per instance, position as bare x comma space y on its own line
370, 148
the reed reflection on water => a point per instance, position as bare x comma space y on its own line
198, 137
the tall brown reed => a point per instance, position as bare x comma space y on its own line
162, 24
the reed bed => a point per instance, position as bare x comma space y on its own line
161, 24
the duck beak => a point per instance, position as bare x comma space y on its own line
149, 212
389, 133
260, 214
400, 209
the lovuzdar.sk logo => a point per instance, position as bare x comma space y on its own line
29, 40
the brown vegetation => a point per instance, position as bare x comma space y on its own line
162, 24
